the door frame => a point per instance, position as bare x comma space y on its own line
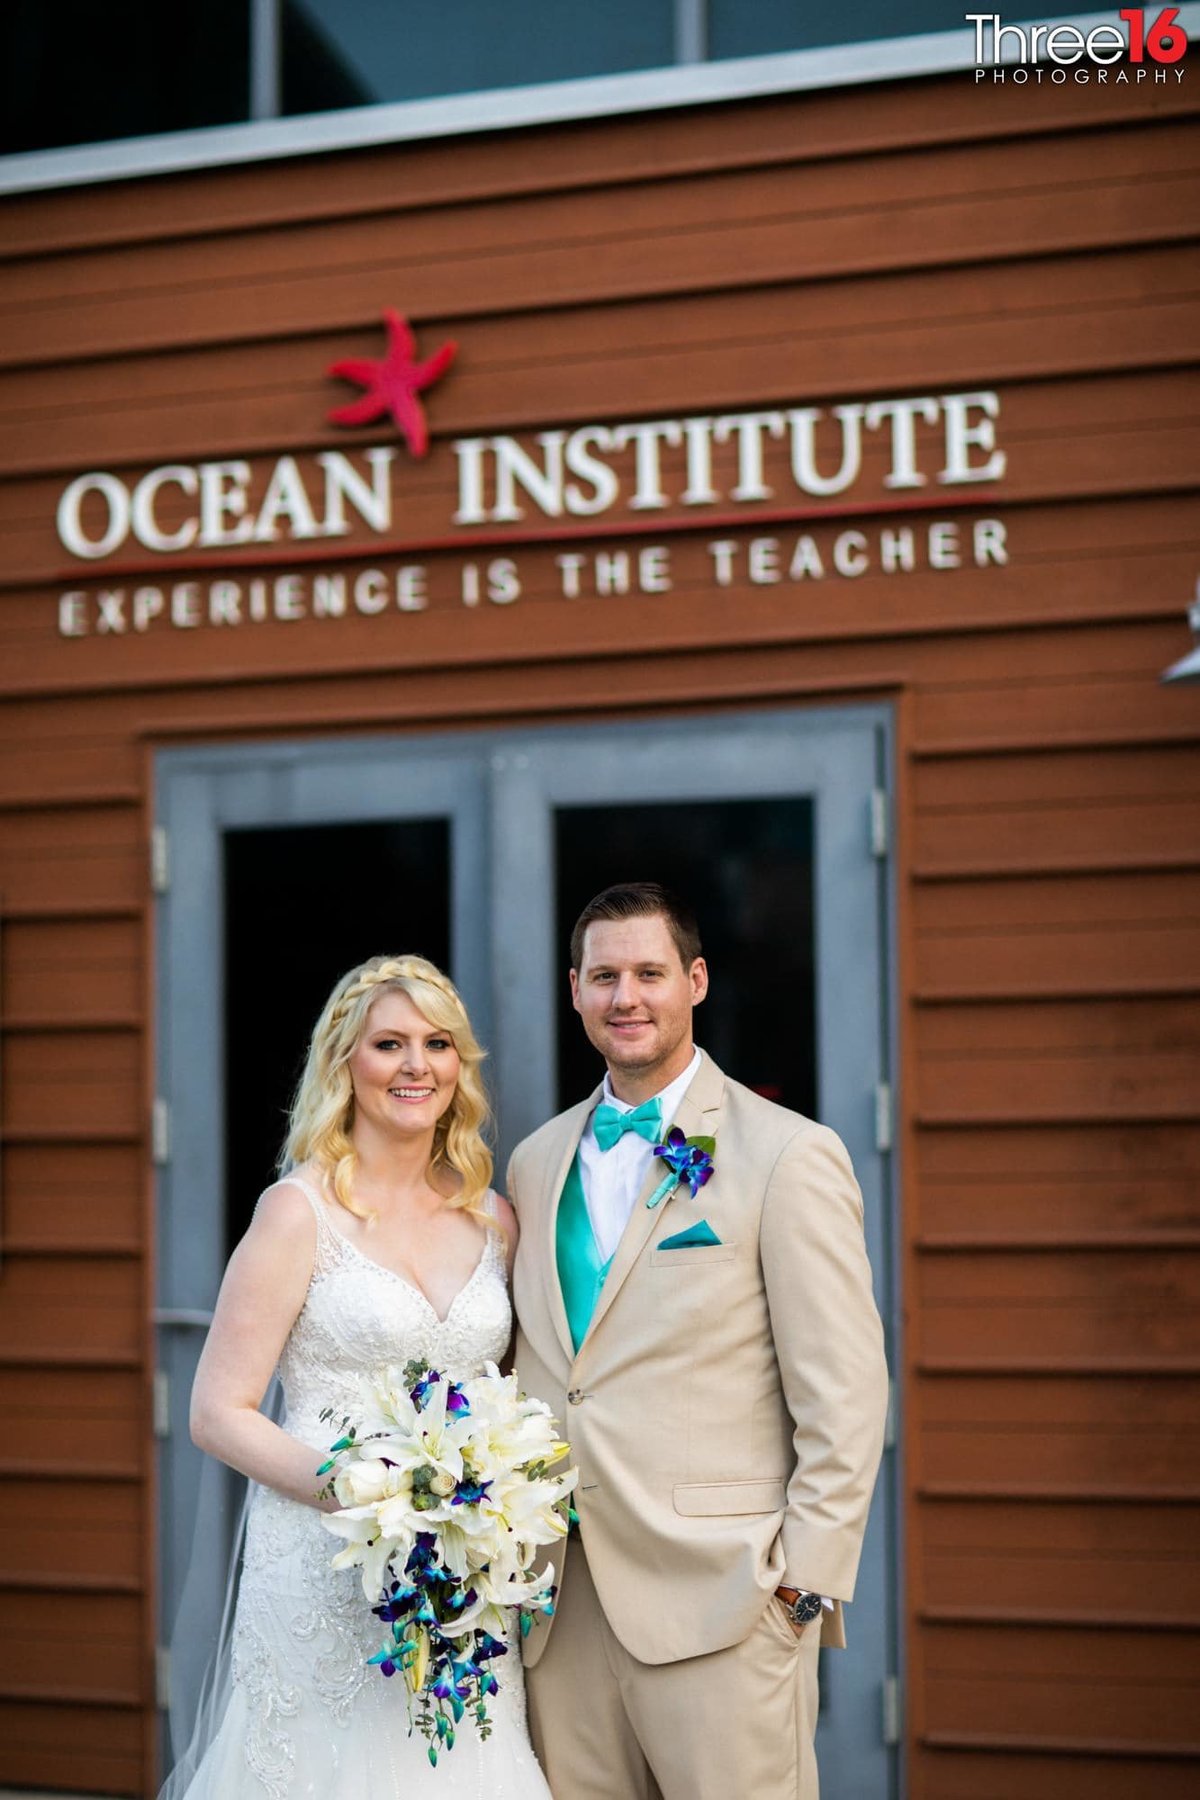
500, 790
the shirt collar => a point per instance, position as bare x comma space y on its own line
669, 1097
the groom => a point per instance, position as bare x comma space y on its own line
717, 1359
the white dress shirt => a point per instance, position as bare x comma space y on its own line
612, 1179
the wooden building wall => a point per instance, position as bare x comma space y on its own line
901, 239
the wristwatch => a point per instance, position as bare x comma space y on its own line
800, 1608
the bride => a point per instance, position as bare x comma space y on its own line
382, 1243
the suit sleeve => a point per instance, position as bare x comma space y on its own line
829, 1346
511, 1183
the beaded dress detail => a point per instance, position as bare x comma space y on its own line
308, 1719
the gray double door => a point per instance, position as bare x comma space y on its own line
285, 864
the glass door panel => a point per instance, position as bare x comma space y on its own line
746, 867
302, 904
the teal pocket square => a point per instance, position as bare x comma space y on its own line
695, 1235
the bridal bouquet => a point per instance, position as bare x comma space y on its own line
445, 1496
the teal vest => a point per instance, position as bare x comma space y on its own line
580, 1271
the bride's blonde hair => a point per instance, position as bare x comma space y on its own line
323, 1110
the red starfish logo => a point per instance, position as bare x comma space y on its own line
393, 383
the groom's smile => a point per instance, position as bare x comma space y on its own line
635, 998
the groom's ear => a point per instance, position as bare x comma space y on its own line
698, 976
574, 974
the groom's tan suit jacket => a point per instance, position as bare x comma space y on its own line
726, 1407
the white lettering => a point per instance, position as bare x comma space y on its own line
749, 428
570, 565
289, 597
943, 545
147, 604
1105, 37
370, 591
979, 20
762, 563
646, 437
991, 542
70, 522
329, 597
897, 550
218, 500
604, 484
502, 582
410, 588
111, 615
961, 434
185, 605
469, 581
471, 508
515, 466
372, 500
258, 601
1063, 38
903, 414
72, 618
654, 569
285, 498
224, 603
850, 553
806, 561
722, 554
699, 490
804, 451
612, 572
146, 528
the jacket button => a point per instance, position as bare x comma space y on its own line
575, 1396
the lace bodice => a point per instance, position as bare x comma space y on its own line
358, 1318
315, 1720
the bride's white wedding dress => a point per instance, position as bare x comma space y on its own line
307, 1716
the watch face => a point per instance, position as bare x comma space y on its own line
806, 1608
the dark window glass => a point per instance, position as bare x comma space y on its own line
747, 868
74, 72
302, 905
738, 29
350, 52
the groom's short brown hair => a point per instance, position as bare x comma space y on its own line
641, 900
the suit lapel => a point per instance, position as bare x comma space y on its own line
556, 1166
695, 1117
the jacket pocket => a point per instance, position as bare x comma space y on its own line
713, 1499
688, 1254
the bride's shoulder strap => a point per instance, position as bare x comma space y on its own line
329, 1239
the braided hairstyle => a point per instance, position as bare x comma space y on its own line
323, 1110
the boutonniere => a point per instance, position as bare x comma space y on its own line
688, 1159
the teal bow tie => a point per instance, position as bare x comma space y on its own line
610, 1125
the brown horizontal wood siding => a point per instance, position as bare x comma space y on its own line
912, 238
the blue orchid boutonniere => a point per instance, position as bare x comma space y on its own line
688, 1159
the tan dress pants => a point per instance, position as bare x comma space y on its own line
737, 1724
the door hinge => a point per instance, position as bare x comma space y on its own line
160, 1131
162, 1677
892, 1722
160, 860
162, 1404
883, 1115
880, 822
